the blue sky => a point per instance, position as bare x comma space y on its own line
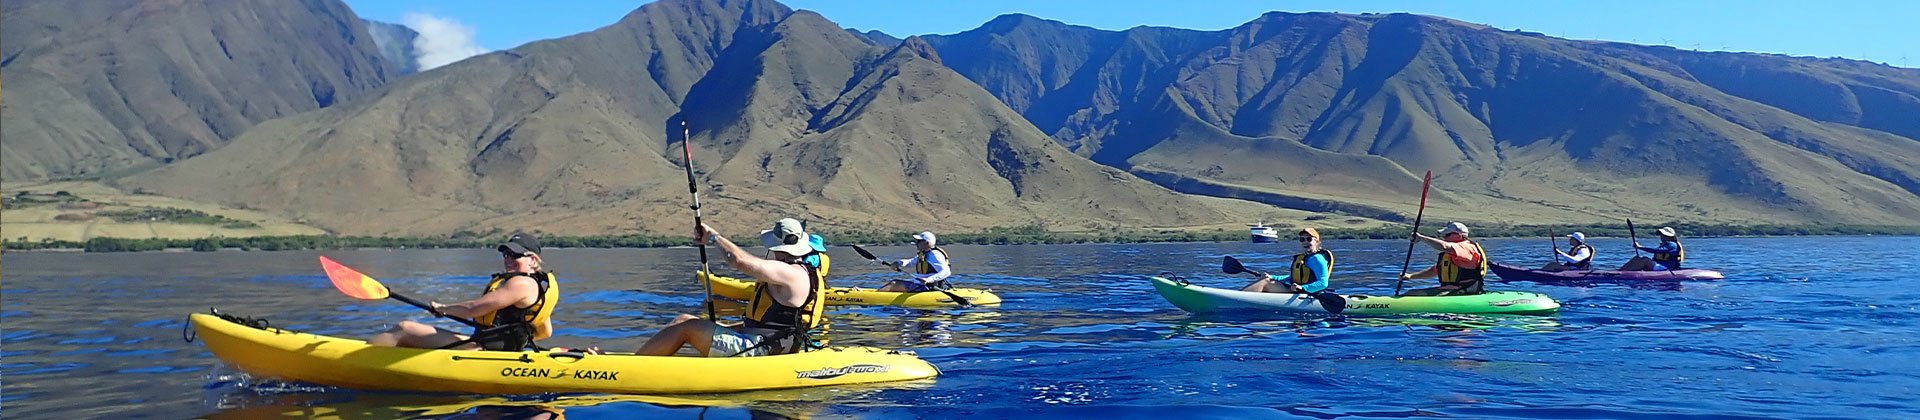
1881, 31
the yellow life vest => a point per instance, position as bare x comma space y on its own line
1673, 259
535, 316
1582, 264
1302, 275
921, 266
1468, 279
825, 262
763, 311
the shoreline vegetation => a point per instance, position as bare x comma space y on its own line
1030, 234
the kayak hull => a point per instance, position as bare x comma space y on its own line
1207, 300
1512, 273
346, 363
737, 289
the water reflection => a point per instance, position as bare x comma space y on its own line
1080, 334
267, 399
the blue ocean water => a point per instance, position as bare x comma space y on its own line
1803, 327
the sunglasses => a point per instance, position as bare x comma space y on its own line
513, 256
1306, 239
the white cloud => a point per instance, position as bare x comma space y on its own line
441, 41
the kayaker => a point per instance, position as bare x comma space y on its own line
785, 306
516, 307
1309, 272
1668, 255
1578, 256
1461, 267
819, 258
930, 266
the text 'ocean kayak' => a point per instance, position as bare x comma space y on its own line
733, 288
1512, 273
1205, 300
318, 359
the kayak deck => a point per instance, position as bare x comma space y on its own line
1206, 300
1513, 273
333, 361
733, 288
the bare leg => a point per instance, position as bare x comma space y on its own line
896, 286
1257, 285
685, 329
418, 335
1638, 264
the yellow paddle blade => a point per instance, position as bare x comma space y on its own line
352, 283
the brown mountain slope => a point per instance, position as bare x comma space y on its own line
790, 116
1517, 126
103, 86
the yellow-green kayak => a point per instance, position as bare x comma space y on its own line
318, 359
733, 288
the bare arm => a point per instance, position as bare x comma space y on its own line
762, 269
516, 290
1428, 273
1435, 243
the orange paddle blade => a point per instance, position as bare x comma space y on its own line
352, 283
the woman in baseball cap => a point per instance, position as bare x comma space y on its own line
514, 309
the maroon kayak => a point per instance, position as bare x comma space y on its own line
1511, 273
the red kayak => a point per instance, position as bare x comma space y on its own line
1511, 273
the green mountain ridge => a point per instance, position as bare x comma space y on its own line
789, 115
104, 87
1020, 122
1517, 126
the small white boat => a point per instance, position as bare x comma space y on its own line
1263, 234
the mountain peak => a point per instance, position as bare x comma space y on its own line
916, 46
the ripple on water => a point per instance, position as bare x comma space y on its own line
1079, 336
24, 369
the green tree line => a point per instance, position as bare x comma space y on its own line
1028, 234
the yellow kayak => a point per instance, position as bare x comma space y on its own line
318, 359
733, 288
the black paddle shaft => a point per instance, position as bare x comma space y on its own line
686, 147
1425, 184
429, 308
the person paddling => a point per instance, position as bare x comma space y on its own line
930, 266
1668, 255
1578, 256
818, 259
1310, 271
1461, 267
785, 308
515, 309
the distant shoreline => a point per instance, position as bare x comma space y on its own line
994, 236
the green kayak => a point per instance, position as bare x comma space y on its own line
1205, 300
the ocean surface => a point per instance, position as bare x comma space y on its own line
1803, 327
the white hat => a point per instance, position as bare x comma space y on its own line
1666, 231
786, 236
1577, 236
924, 236
1454, 227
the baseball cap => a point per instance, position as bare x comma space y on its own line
520, 243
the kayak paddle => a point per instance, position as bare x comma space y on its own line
1636, 240
686, 148
359, 286
1332, 302
1634, 237
1556, 246
1424, 184
876, 260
